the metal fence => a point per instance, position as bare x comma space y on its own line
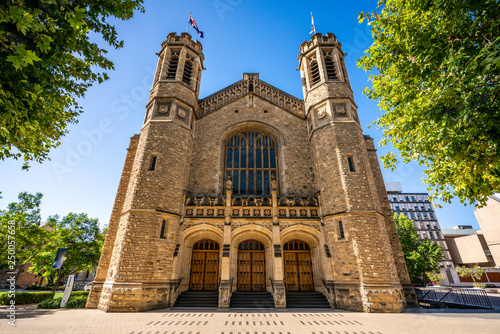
453, 297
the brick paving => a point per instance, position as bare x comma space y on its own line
31, 320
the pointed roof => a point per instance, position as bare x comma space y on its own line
250, 84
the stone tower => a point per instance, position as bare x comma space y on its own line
251, 195
367, 269
134, 272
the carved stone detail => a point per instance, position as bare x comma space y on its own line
260, 88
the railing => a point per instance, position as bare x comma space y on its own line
272, 283
218, 283
454, 297
325, 285
231, 285
178, 284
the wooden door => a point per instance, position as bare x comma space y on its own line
211, 271
305, 271
245, 271
204, 266
251, 266
291, 271
258, 271
298, 269
197, 270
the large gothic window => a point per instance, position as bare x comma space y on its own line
251, 161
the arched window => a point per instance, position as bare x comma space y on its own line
296, 245
251, 245
251, 161
315, 77
206, 245
188, 71
330, 67
172, 66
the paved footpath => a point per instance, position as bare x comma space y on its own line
67, 321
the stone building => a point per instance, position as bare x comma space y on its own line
251, 189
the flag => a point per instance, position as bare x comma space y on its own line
313, 29
195, 26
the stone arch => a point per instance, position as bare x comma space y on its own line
312, 237
190, 236
199, 232
253, 232
301, 232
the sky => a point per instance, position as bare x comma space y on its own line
241, 36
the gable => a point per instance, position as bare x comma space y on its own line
250, 84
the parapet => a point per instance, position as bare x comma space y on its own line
183, 39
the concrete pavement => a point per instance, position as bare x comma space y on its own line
31, 320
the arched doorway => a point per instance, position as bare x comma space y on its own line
251, 266
204, 266
298, 269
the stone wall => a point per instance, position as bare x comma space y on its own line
206, 175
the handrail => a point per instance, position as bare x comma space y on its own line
272, 283
178, 283
324, 283
231, 285
218, 283
455, 296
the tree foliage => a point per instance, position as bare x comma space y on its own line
37, 245
422, 256
475, 273
438, 65
47, 61
81, 235
20, 228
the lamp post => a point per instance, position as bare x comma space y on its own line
58, 263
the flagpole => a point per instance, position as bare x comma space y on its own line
187, 25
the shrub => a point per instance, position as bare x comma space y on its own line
78, 302
24, 297
78, 299
79, 293
50, 303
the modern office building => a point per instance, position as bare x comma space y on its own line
417, 207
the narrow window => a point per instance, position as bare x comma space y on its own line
341, 230
162, 232
188, 70
236, 111
250, 87
315, 72
172, 67
152, 166
331, 74
351, 163
265, 111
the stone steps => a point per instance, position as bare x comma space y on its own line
306, 300
243, 299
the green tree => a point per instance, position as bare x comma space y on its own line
47, 61
421, 255
83, 238
37, 245
20, 229
437, 81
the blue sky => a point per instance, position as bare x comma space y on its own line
241, 36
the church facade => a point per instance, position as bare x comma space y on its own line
251, 189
